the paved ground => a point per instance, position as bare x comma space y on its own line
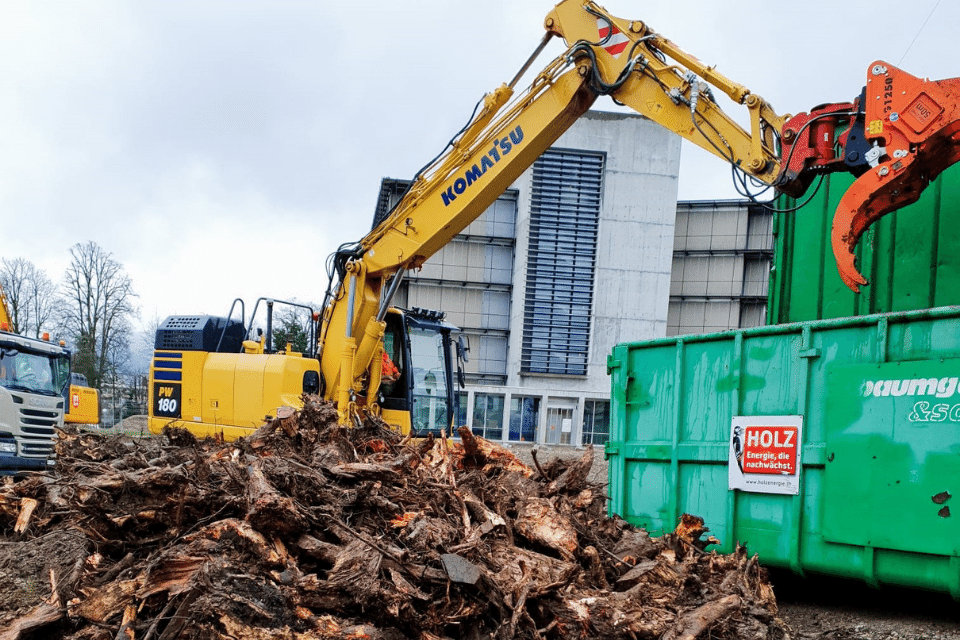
546, 453
824, 608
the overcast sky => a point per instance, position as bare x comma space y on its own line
224, 148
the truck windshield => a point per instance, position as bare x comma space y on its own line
430, 411
33, 371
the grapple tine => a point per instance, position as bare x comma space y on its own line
867, 200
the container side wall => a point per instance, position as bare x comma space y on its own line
909, 256
879, 448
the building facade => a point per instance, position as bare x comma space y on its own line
574, 258
722, 255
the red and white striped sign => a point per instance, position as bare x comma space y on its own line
617, 42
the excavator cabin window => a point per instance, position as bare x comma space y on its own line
395, 393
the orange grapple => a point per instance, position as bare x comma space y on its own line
900, 134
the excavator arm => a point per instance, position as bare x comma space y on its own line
898, 135
504, 138
605, 56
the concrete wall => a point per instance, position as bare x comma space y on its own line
634, 246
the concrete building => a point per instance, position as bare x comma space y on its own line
574, 258
722, 254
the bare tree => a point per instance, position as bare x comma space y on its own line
101, 304
31, 296
13, 281
44, 303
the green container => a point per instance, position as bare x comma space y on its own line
876, 476
911, 257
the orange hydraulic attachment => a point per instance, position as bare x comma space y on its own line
900, 134
917, 123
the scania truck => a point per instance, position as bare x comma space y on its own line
34, 374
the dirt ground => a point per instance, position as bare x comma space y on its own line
821, 607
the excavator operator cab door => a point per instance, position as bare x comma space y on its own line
422, 399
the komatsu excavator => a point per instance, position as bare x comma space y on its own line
896, 135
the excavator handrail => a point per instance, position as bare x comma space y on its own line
226, 325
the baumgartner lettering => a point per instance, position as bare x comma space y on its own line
500, 149
939, 387
940, 412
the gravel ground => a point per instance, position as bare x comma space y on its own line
833, 609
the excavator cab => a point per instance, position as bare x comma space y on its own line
423, 399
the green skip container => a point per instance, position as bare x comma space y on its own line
910, 256
828, 447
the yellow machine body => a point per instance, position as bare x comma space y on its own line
397, 420
83, 405
224, 395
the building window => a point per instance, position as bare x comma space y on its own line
524, 416
596, 422
564, 219
488, 416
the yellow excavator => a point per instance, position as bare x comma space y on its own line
83, 402
897, 134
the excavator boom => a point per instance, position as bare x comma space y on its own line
605, 56
896, 136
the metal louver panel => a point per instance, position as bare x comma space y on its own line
564, 218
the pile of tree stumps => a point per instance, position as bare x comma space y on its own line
308, 529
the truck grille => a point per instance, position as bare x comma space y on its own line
39, 449
37, 432
39, 418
